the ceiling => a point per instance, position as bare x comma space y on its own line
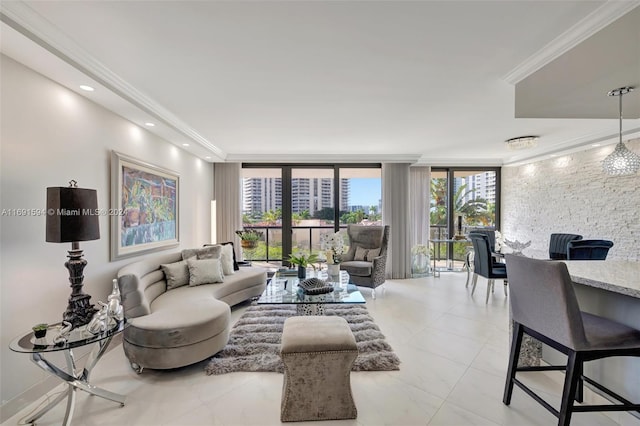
434, 82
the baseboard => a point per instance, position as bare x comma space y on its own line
37, 391
610, 399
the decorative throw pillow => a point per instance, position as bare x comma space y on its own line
208, 252
361, 253
227, 259
204, 271
372, 254
177, 274
235, 262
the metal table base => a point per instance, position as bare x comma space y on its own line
75, 381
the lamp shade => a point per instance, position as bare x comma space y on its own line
72, 215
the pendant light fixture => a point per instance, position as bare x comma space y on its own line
621, 161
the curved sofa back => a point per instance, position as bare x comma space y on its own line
141, 282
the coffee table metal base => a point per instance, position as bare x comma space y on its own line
304, 309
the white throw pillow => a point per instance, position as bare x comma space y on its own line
204, 271
227, 259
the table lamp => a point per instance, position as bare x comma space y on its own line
72, 216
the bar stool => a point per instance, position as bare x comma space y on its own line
544, 306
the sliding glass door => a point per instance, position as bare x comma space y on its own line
462, 199
293, 205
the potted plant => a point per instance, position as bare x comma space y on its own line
302, 260
40, 330
249, 238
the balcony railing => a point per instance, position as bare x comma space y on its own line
305, 238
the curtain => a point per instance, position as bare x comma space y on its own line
227, 190
396, 213
419, 192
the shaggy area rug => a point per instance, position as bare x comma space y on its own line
254, 343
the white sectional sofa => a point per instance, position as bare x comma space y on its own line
174, 327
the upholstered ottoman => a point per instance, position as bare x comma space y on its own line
317, 353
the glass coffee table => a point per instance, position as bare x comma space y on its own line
284, 290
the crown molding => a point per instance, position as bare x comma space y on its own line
29, 23
574, 145
585, 28
323, 158
452, 162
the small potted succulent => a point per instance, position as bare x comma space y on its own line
302, 260
40, 330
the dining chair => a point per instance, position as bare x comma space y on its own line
468, 262
484, 266
545, 307
588, 249
558, 245
490, 233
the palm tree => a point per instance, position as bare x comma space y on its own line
473, 209
272, 216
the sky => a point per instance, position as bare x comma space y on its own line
365, 191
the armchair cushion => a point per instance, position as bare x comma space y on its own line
372, 254
361, 253
359, 268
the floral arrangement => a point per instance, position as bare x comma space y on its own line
420, 249
333, 245
499, 241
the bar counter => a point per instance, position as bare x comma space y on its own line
617, 276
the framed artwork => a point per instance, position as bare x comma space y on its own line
146, 199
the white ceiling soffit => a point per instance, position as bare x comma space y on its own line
575, 85
25, 21
15, 45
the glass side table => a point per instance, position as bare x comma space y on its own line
75, 379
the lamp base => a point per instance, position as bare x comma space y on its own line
79, 311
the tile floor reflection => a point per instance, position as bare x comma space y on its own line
453, 349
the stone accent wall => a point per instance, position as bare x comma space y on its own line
571, 194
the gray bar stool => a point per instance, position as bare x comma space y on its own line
544, 306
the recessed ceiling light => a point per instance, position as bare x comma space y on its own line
595, 144
207, 157
554, 155
185, 144
87, 88
522, 142
149, 124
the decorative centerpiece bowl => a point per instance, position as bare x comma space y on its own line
315, 286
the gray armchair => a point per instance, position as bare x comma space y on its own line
366, 259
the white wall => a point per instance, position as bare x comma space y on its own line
50, 135
571, 194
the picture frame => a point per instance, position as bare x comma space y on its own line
144, 205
